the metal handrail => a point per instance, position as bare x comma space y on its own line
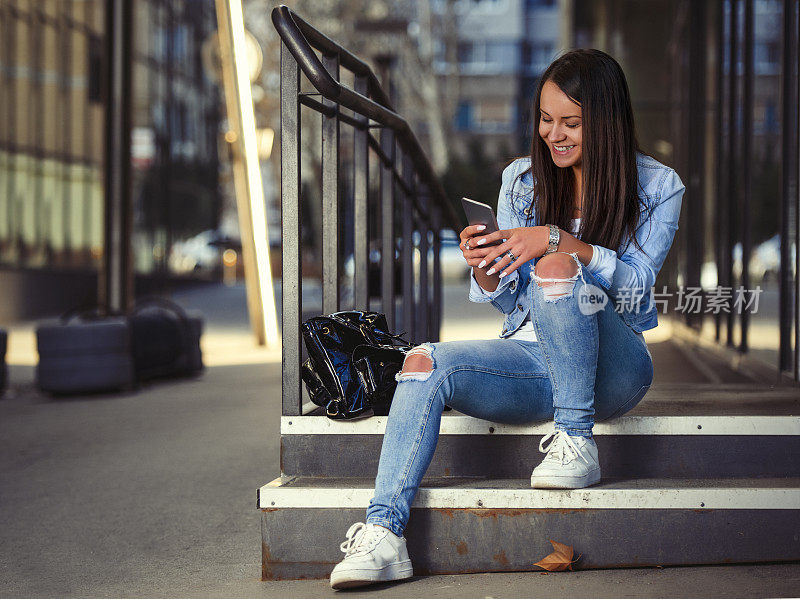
406, 181
301, 39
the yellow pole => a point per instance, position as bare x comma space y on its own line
247, 173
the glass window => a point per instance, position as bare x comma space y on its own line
488, 57
538, 56
464, 116
494, 113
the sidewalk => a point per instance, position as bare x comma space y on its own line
152, 494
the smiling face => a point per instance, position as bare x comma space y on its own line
560, 126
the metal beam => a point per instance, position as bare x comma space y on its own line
436, 307
721, 191
247, 173
746, 163
423, 315
789, 189
729, 241
360, 208
116, 281
291, 278
695, 151
388, 236
330, 197
409, 308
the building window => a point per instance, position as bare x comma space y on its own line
485, 115
95, 69
464, 116
481, 6
494, 114
767, 57
538, 56
488, 57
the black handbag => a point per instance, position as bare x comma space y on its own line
352, 362
165, 339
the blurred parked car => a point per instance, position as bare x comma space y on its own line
765, 261
451, 260
764, 264
201, 252
454, 267
374, 271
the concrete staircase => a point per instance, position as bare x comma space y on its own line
696, 474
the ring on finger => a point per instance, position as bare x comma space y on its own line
466, 244
511, 255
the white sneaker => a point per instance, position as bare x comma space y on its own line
371, 554
570, 463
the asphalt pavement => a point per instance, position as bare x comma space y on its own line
153, 493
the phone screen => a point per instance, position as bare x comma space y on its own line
479, 213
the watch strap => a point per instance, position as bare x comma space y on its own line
553, 241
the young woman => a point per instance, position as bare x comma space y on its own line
586, 223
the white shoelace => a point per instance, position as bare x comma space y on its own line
361, 538
561, 448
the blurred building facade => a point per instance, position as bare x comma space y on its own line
53, 73
708, 80
503, 48
175, 131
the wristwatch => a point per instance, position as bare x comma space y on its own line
553, 241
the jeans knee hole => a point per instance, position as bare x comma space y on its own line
418, 364
555, 289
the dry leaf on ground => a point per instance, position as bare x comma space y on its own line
560, 559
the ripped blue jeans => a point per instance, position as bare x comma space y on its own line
587, 364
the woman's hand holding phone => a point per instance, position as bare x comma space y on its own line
476, 254
515, 248
472, 252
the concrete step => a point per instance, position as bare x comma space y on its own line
469, 525
636, 446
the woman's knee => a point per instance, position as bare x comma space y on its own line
556, 274
427, 359
608, 410
418, 364
557, 265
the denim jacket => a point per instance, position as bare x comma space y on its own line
627, 273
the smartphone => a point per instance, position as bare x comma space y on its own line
479, 213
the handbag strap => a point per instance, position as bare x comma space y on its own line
88, 312
367, 333
394, 337
156, 301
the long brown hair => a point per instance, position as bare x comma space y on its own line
610, 203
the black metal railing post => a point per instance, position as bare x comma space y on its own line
436, 318
733, 140
360, 208
789, 191
330, 195
747, 164
422, 320
388, 243
695, 150
720, 153
291, 279
407, 254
